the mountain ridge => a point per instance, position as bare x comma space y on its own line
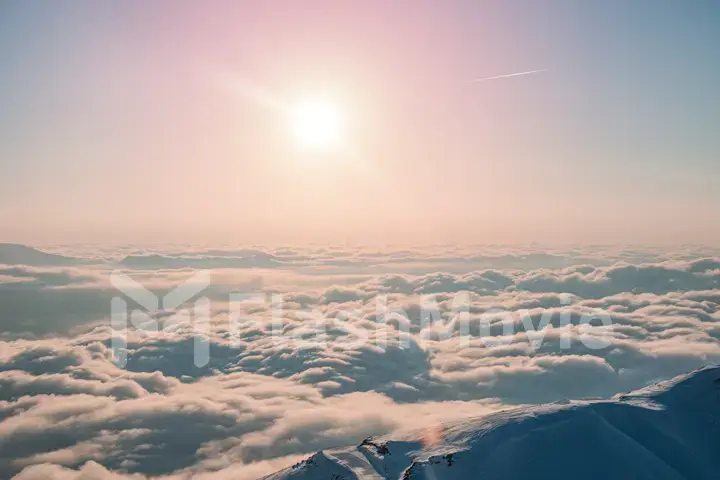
18, 254
669, 430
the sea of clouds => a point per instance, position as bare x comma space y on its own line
353, 353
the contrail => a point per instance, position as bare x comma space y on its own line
507, 75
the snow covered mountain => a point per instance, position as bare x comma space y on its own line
670, 430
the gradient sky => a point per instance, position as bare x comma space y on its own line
144, 121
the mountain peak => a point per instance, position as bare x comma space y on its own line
17, 254
670, 430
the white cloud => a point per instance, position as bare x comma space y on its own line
67, 412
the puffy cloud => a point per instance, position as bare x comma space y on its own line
366, 342
605, 281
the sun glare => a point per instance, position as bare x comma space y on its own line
317, 124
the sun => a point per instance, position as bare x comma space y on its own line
317, 124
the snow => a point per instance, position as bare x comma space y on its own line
670, 430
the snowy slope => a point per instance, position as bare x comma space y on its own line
667, 431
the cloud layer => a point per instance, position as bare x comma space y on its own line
371, 342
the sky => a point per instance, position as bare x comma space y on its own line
153, 122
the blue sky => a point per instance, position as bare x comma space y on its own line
114, 126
